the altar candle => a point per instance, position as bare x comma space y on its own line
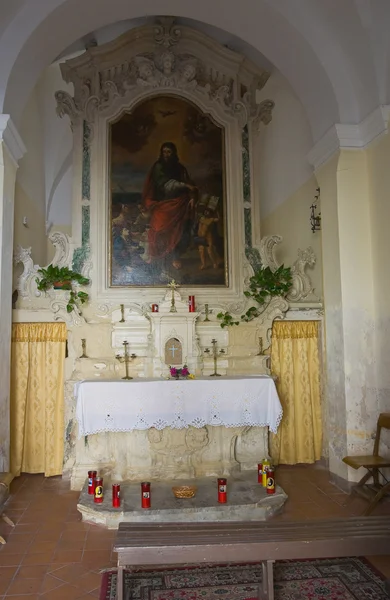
145, 494
222, 490
265, 469
116, 495
91, 482
191, 303
271, 480
260, 473
98, 497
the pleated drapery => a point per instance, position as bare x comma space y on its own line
37, 398
295, 362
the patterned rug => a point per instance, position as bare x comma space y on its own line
325, 579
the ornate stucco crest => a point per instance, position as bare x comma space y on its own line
165, 57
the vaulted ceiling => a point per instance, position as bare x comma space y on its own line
335, 54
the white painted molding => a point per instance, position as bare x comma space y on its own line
350, 137
11, 138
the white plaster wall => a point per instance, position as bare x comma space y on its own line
379, 161
285, 182
30, 183
57, 149
283, 146
44, 179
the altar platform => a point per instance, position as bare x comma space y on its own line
158, 429
247, 501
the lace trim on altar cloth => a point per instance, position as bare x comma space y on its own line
178, 423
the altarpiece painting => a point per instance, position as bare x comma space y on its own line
167, 201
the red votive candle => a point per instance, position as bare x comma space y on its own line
116, 495
91, 482
260, 473
222, 490
271, 480
154, 307
191, 303
98, 497
145, 494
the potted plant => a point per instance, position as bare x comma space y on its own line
264, 285
62, 278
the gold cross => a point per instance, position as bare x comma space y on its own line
173, 285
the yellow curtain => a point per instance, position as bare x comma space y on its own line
37, 398
295, 362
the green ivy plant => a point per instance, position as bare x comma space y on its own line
63, 278
263, 286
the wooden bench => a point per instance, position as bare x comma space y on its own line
141, 544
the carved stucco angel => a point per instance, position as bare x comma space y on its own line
186, 79
147, 72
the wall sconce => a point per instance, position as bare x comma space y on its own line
315, 220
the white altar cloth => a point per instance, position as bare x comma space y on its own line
144, 403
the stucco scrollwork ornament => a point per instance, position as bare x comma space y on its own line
263, 113
267, 251
63, 251
58, 308
166, 33
302, 286
87, 268
67, 106
301, 283
25, 283
277, 308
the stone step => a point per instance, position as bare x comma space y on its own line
247, 501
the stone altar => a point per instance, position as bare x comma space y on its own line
125, 445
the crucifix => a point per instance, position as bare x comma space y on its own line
173, 285
173, 349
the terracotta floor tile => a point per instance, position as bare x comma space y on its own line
69, 536
8, 572
89, 582
50, 583
24, 586
70, 573
26, 527
5, 582
7, 560
70, 545
64, 592
67, 556
32, 572
40, 547
43, 558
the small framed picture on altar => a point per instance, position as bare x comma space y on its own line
167, 206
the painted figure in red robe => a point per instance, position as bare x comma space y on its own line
170, 196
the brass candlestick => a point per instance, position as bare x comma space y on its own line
173, 285
215, 357
207, 312
122, 314
126, 358
84, 348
